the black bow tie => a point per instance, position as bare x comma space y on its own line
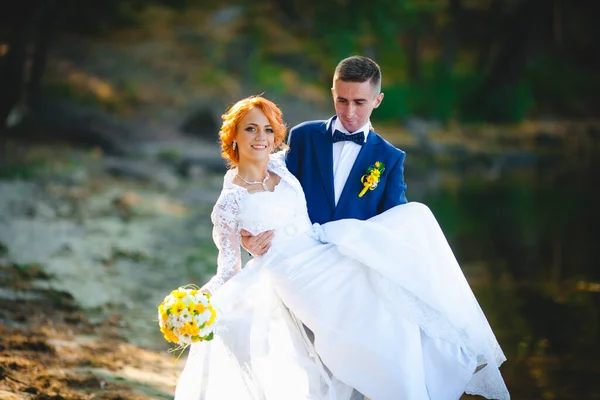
358, 138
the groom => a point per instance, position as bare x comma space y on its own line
330, 157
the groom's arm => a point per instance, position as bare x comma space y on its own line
395, 188
292, 159
256, 245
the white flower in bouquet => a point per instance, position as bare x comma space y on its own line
186, 316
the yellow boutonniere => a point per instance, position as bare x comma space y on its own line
371, 178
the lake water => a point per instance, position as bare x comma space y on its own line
526, 237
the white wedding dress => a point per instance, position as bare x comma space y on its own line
390, 309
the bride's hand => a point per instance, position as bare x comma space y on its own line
257, 245
204, 291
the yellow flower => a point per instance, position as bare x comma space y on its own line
187, 329
213, 316
179, 294
163, 317
377, 164
193, 329
193, 292
190, 329
371, 179
199, 308
376, 173
177, 308
171, 337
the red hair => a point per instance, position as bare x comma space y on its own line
234, 115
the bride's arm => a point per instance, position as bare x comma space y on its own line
226, 236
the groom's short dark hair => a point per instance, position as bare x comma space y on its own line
359, 69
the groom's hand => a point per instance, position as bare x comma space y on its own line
257, 245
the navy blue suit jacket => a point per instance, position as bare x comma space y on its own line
310, 159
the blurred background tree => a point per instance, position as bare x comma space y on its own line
446, 60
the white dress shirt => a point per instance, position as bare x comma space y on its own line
344, 156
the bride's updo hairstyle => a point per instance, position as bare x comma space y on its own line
234, 115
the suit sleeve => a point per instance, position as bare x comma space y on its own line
292, 160
395, 188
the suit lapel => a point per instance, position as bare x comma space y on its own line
323, 148
366, 157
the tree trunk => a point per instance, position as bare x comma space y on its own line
12, 68
451, 36
48, 18
414, 54
494, 97
31, 24
494, 25
557, 25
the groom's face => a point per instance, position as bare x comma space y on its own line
354, 102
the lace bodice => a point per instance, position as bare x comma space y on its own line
283, 210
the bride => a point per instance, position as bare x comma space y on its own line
390, 310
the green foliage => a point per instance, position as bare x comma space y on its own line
559, 84
426, 100
507, 103
100, 17
169, 155
28, 169
20, 172
452, 97
130, 91
200, 261
31, 271
80, 95
96, 18
458, 47
270, 77
398, 103
434, 97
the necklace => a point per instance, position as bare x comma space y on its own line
263, 182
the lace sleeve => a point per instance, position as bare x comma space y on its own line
227, 239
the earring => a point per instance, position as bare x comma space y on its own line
234, 144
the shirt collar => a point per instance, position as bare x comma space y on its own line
338, 125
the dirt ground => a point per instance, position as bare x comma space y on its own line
50, 350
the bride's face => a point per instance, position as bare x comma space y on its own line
255, 137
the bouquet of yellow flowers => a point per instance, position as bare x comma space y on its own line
186, 316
